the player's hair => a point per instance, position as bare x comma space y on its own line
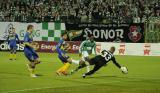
63, 33
90, 35
112, 49
29, 27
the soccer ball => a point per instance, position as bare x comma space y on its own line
124, 70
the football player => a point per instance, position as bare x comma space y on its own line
86, 48
12, 41
30, 52
61, 49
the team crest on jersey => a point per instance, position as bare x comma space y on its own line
135, 34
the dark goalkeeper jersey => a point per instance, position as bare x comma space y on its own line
105, 57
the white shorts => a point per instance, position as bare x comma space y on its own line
84, 55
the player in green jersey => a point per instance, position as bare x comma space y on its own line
85, 50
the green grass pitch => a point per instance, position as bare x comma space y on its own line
143, 76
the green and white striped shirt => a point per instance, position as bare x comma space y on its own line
87, 45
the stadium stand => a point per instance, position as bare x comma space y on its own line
92, 11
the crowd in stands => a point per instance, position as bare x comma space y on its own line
94, 11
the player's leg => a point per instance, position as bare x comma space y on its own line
74, 61
64, 68
11, 53
31, 65
67, 61
91, 61
14, 53
70, 60
82, 65
85, 57
35, 57
35, 61
96, 67
59, 71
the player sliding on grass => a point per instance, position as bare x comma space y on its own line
12, 41
101, 60
61, 49
29, 51
86, 48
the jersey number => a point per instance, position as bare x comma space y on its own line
107, 56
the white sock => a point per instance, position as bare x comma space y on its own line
75, 61
88, 68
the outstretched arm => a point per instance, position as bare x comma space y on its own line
116, 63
17, 38
123, 69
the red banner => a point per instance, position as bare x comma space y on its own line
42, 46
50, 46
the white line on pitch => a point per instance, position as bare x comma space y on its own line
23, 90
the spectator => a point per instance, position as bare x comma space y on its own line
101, 11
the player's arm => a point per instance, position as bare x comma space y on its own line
17, 38
59, 51
123, 69
94, 47
7, 40
81, 47
59, 47
115, 62
67, 47
28, 44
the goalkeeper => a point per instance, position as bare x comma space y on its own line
101, 60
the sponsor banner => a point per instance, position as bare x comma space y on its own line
5, 47
50, 47
42, 46
106, 32
42, 31
137, 49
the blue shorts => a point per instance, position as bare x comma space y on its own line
13, 46
60, 52
63, 59
30, 54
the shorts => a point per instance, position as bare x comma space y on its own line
13, 46
63, 59
84, 55
30, 54
60, 52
